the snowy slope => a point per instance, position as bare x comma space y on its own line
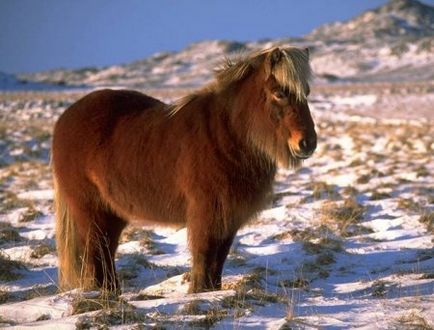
391, 43
347, 241
9, 82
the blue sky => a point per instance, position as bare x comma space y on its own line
38, 35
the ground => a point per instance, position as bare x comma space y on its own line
347, 241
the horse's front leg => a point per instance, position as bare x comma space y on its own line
209, 253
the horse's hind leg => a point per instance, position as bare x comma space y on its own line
108, 233
98, 231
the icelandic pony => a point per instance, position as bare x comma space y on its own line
206, 162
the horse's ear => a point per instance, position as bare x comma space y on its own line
275, 56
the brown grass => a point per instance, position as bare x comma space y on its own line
427, 218
412, 320
42, 250
323, 190
9, 269
344, 218
4, 296
117, 312
30, 214
377, 195
8, 233
408, 204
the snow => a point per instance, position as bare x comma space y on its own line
378, 277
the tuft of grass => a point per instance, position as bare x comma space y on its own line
356, 162
350, 191
323, 190
44, 317
4, 296
428, 220
133, 268
12, 201
364, 178
380, 288
345, 218
297, 283
83, 305
6, 322
427, 276
325, 258
145, 296
8, 233
376, 195
238, 304
408, 204
144, 236
42, 250
94, 301
422, 171
261, 297
210, 315
30, 214
413, 320
9, 269
323, 245
253, 280
120, 313
39, 290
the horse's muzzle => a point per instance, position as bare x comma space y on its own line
306, 147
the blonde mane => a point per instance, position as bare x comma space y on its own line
292, 72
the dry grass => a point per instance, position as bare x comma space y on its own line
297, 283
378, 195
408, 204
110, 313
210, 314
8, 233
413, 320
344, 218
144, 236
427, 218
323, 190
30, 215
12, 201
42, 250
9, 269
324, 244
134, 267
4, 296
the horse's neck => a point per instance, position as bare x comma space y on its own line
231, 116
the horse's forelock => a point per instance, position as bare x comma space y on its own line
289, 66
291, 70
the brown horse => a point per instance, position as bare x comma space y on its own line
207, 162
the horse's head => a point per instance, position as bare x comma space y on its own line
272, 102
286, 73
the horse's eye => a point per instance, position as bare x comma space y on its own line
279, 94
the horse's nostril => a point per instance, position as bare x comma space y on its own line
303, 144
307, 145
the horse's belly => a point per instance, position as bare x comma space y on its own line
147, 208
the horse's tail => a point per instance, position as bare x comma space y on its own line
68, 250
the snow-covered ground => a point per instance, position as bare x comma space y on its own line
346, 243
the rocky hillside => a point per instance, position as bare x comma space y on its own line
390, 43
398, 18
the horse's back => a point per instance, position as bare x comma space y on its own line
109, 104
99, 112
88, 125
